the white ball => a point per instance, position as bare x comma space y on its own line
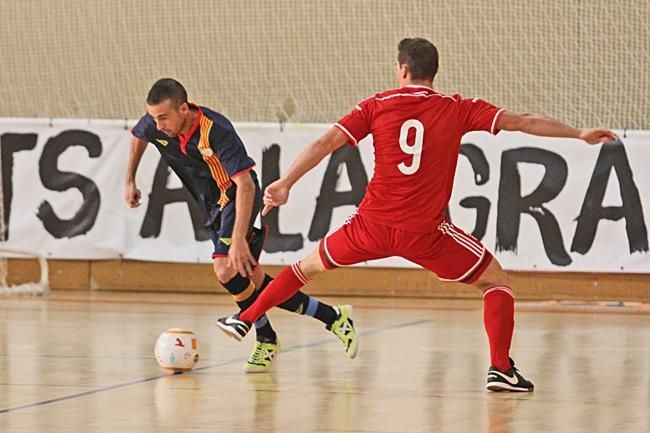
177, 349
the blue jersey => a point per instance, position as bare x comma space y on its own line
207, 161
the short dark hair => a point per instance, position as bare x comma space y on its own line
167, 88
421, 57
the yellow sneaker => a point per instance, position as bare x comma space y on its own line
343, 328
262, 356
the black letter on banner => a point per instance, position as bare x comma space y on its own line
275, 240
511, 204
481, 170
11, 143
611, 156
329, 198
161, 196
55, 180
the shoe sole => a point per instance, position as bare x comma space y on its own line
229, 332
256, 369
353, 354
503, 387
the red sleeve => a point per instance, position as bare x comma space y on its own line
356, 124
481, 115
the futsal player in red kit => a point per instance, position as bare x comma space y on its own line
416, 135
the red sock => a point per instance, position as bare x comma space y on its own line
499, 320
284, 286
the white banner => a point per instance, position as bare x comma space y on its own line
538, 204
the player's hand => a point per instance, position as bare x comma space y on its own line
276, 194
132, 195
599, 135
240, 257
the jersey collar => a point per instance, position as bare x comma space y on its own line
183, 139
418, 86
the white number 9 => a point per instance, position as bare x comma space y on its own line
415, 149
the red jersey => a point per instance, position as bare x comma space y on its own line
416, 135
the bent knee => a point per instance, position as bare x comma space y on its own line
494, 275
221, 269
312, 265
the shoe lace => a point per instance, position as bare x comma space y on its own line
259, 355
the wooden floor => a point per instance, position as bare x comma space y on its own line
83, 362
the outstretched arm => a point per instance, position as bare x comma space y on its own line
132, 194
277, 193
537, 124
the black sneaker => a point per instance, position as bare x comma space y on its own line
256, 240
233, 327
511, 380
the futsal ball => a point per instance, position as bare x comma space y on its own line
177, 349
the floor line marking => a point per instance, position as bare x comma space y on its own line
295, 348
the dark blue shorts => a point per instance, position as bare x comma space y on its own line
221, 229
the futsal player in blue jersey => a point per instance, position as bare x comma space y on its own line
202, 147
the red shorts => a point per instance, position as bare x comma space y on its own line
449, 252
